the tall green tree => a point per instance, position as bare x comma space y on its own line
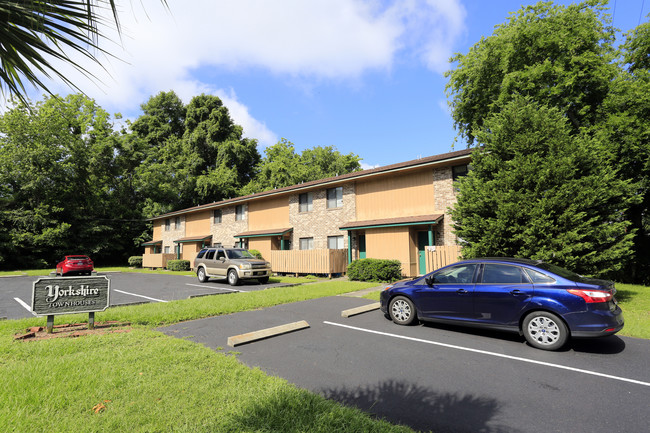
561, 55
188, 154
625, 132
281, 166
538, 191
61, 186
564, 57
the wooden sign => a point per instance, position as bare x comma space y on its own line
65, 295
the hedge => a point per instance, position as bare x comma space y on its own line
256, 253
178, 265
375, 270
135, 261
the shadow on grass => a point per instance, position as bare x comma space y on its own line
421, 408
625, 295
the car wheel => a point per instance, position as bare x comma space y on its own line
200, 274
233, 278
545, 330
402, 310
263, 280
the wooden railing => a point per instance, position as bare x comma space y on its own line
156, 260
309, 261
442, 256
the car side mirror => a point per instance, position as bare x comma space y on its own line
430, 280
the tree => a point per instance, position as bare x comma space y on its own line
538, 191
62, 191
32, 31
282, 166
188, 154
561, 55
625, 131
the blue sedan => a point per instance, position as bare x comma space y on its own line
546, 303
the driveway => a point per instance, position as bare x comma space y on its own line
126, 288
444, 379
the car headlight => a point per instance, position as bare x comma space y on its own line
268, 264
244, 266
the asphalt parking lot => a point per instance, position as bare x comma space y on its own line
126, 288
444, 379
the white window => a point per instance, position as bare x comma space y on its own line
335, 242
306, 243
168, 224
167, 250
177, 223
306, 201
240, 212
335, 197
217, 216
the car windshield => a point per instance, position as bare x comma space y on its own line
564, 273
240, 254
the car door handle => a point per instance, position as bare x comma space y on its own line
516, 292
461, 291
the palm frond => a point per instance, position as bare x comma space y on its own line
31, 32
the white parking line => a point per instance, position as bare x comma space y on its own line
139, 296
484, 352
24, 304
215, 288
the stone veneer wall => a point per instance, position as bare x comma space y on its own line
444, 198
321, 222
168, 237
225, 231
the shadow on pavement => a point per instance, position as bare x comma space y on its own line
421, 408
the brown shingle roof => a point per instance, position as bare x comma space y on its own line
270, 232
403, 221
336, 179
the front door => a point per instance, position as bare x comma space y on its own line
362, 246
423, 241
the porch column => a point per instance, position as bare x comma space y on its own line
431, 235
349, 247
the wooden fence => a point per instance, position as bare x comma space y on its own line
442, 256
309, 261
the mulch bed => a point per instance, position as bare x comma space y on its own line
72, 330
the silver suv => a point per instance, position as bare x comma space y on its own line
235, 264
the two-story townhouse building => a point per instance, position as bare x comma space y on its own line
391, 212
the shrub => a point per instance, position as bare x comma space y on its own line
375, 270
135, 261
256, 253
178, 265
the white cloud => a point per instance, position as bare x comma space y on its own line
314, 40
365, 166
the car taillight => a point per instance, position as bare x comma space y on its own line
592, 296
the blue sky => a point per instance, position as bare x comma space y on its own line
364, 76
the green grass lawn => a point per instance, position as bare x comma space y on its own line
145, 381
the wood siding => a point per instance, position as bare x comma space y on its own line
263, 245
268, 214
392, 243
408, 194
157, 231
198, 224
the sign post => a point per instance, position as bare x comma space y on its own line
70, 295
